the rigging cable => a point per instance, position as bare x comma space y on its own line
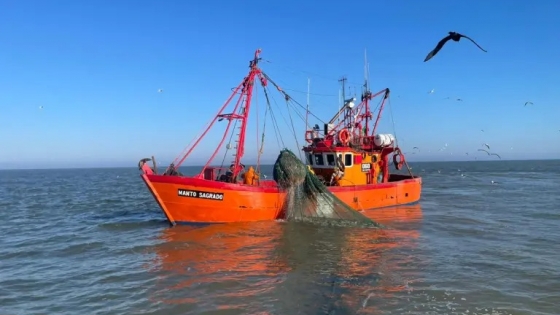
227, 149
286, 95
317, 75
396, 138
273, 118
293, 127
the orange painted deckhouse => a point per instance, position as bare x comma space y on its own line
346, 153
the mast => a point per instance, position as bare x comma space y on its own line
307, 107
248, 86
343, 81
366, 92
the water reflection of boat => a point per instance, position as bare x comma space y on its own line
348, 266
204, 268
285, 268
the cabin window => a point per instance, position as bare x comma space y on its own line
319, 159
330, 159
310, 159
348, 160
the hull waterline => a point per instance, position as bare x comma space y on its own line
186, 200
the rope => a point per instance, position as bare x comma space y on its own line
284, 118
286, 95
274, 122
294, 70
293, 128
227, 149
267, 107
257, 125
396, 138
316, 94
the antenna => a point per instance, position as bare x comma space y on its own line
366, 94
366, 71
343, 81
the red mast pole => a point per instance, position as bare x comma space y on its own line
248, 91
208, 128
246, 88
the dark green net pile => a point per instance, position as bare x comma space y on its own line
308, 199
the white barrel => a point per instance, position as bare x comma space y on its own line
383, 140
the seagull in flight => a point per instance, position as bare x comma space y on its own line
452, 36
528, 103
160, 91
486, 145
432, 91
41, 107
496, 154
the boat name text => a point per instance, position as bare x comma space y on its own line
200, 194
366, 167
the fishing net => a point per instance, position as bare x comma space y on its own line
308, 199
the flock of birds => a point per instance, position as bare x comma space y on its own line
454, 36
486, 145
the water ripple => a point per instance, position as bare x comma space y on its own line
95, 242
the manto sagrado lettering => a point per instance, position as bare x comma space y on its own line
200, 194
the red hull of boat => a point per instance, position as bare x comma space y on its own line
194, 200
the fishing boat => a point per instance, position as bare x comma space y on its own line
353, 160
225, 194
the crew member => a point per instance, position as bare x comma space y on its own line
172, 171
230, 178
384, 166
250, 176
336, 176
340, 163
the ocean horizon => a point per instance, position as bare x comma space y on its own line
262, 164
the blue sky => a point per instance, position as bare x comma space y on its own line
96, 67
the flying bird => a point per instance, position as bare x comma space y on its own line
453, 36
484, 151
486, 145
432, 91
160, 90
41, 107
528, 103
459, 100
496, 154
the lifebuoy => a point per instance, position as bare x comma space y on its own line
344, 136
309, 136
398, 159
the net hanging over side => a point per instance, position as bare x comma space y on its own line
308, 199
